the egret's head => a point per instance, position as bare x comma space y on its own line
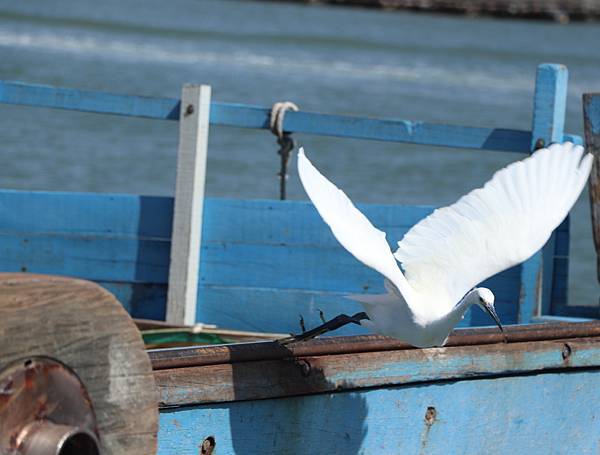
486, 302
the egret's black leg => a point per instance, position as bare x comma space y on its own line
302, 326
333, 324
322, 317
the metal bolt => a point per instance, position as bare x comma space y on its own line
566, 352
430, 416
305, 367
189, 110
208, 446
539, 144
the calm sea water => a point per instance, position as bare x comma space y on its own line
336, 60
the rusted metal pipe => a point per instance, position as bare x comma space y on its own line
47, 438
45, 410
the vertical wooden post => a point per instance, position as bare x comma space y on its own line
537, 276
591, 120
189, 200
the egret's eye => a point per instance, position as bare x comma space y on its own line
481, 299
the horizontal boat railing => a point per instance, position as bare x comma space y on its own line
256, 117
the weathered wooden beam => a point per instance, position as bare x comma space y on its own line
591, 119
189, 200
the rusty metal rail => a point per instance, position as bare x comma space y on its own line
268, 350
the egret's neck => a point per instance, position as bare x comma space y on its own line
457, 313
438, 330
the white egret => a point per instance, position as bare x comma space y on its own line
455, 248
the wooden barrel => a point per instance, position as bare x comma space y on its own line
84, 328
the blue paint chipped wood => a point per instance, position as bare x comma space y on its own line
550, 413
245, 116
525, 397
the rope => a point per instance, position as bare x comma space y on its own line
285, 141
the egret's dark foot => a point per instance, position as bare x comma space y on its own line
333, 324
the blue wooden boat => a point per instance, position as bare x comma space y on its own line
366, 394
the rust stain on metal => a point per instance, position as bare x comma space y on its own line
43, 401
262, 379
13, 441
42, 409
430, 416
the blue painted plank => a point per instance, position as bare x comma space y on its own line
549, 413
267, 221
245, 116
14, 92
549, 104
561, 268
117, 215
96, 258
549, 108
531, 272
141, 300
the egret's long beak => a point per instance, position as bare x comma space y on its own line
492, 312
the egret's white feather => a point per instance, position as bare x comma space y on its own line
494, 227
349, 226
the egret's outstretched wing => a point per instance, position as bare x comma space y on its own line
349, 226
494, 227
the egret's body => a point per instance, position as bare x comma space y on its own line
456, 247
390, 315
